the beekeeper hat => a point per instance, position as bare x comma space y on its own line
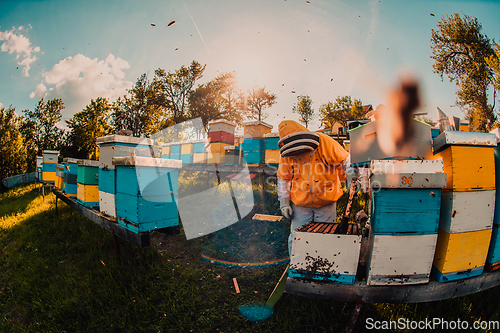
296, 139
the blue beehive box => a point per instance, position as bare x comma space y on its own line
271, 142
70, 176
253, 145
146, 193
199, 147
252, 157
187, 159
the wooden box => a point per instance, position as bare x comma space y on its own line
215, 158
466, 211
70, 190
217, 148
252, 157
460, 255
48, 177
256, 129
187, 149
221, 125
319, 254
49, 167
165, 152
199, 147
107, 180
39, 162
88, 172
120, 145
107, 204
271, 141
272, 157
400, 259
253, 145
50, 156
87, 195
187, 158
200, 158
221, 136
406, 196
146, 193
364, 144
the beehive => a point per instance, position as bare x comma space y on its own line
231, 155
405, 209
272, 152
221, 125
146, 193
256, 129
49, 167
467, 206
112, 146
365, 146
87, 183
493, 258
70, 187
252, 151
59, 176
319, 254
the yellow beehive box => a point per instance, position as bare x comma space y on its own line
48, 176
199, 158
187, 149
87, 195
217, 148
460, 255
272, 156
256, 129
468, 168
165, 151
215, 158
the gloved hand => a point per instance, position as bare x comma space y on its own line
286, 209
350, 174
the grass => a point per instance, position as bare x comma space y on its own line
59, 273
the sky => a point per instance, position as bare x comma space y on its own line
81, 50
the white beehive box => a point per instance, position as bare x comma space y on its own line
324, 256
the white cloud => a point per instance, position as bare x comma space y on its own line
77, 80
13, 41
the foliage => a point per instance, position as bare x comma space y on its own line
461, 52
139, 111
174, 89
494, 62
304, 109
256, 100
87, 125
343, 110
40, 125
216, 99
12, 151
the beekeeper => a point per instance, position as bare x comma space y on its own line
310, 175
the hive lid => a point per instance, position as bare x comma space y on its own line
257, 122
115, 138
271, 135
51, 152
464, 138
406, 166
221, 121
147, 161
91, 163
70, 160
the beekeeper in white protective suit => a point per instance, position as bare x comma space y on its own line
310, 174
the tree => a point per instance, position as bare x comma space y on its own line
87, 125
343, 110
140, 111
256, 100
460, 51
215, 99
40, 125
12, 152
304, 109
174, 88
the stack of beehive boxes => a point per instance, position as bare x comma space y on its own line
493, 258
87, 183
200, 152
146, 192
467, 205
70, 187
405, 208
112, 146
220, 135
59, 175
272, 154
253, 150
39, 166
49, 167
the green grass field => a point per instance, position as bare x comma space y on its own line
59, 273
